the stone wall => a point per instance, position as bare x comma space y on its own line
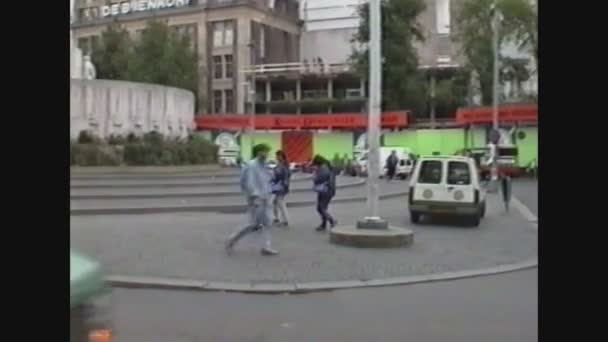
117, 108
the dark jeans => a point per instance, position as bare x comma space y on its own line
322, 206
390, 172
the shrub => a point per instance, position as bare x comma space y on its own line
94, 155
152, 149
85, 137
116, 140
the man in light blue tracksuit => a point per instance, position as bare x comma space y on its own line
255, 184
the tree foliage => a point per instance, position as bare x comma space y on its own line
403, 86
160, 56
113, 55
474, 33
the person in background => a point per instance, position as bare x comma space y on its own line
255, 184
324, 184
505, 182
280, 189
391, 165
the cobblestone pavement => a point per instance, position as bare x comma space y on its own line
190, 246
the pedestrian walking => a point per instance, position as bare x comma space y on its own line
280, 189
505, 183
324, 184
255, 184
391, 165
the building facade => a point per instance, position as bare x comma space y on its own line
229, 35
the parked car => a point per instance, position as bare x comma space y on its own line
446, 185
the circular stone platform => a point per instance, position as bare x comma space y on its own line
389, 237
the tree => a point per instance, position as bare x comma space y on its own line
403, 86
163, 56
113, 54
474, 33
451, 93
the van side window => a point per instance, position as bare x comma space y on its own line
430, 172
459, 173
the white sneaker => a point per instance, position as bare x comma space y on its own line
269, 251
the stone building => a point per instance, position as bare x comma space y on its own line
229, 35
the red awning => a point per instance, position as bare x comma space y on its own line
507, 113
304, 121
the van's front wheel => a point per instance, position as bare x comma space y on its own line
475, 220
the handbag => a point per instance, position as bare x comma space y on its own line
276, 188
320, 188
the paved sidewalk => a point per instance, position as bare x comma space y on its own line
190, 246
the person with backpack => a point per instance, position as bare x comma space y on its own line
324, 184
280, 189
255, 184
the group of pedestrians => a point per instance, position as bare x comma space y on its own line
266, 192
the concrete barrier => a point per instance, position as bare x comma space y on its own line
118, 108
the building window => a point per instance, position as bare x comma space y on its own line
217, 101
217, 67
83, 45
228, 65
218, 33
94, 43
229, 101
262, 42
87, 44
223, 33
228, 33
442, 15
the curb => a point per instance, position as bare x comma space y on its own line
170, 185
191, 194
131, 170
85, 177
224, 209
299, 288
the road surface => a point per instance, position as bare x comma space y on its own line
500, 308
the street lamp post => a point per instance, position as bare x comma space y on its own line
496, 47
375, 101
496, 18
252, 90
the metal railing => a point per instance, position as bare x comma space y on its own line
298, 67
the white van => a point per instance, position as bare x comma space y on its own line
446, 185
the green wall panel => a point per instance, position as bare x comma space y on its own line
328, 144
406, 139
528, 147
249, 140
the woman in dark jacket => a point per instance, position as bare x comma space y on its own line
325, 186
280, 189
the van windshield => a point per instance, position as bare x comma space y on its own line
430, 172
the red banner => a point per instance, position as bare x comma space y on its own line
304, 121
507, 113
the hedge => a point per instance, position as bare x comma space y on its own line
150, 150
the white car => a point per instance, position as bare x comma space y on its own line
446, 185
